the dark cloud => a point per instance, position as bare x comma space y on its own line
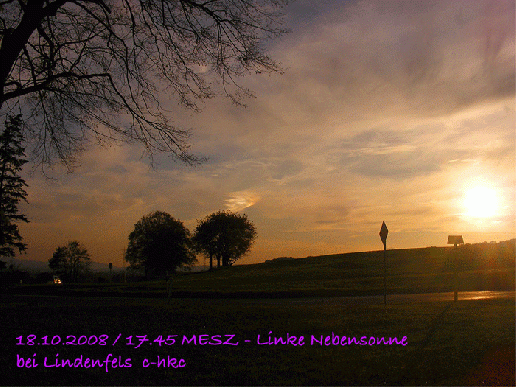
375, 138
118, 169
427, 58
394, 166
286, 168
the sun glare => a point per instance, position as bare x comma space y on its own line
481, 202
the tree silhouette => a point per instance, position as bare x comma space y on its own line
80, 63
70, 261
12, 187
159, 243
224, 235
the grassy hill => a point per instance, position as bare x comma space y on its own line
449, 343
483, 266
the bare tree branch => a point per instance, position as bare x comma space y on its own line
77, 66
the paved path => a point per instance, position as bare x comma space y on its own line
394, 299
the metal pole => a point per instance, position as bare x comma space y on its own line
383, 236
385, 273
455, 274
123, 265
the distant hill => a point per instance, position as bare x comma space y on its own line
33, 266
481, 266
477, 256
38, 266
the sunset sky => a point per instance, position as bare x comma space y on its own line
395, 111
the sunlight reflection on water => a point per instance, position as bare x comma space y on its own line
393, 298
485, 295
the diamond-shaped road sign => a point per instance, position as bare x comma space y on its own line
383, 233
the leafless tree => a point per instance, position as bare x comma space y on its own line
97, 67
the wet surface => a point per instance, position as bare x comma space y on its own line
396, 298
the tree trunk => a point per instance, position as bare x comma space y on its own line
14, 41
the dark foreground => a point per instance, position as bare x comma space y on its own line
131, 341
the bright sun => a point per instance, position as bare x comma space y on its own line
481, 202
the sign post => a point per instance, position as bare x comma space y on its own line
455, 240
383, 236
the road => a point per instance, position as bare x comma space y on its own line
394, 299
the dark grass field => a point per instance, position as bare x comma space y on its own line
462, 343
447, 343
